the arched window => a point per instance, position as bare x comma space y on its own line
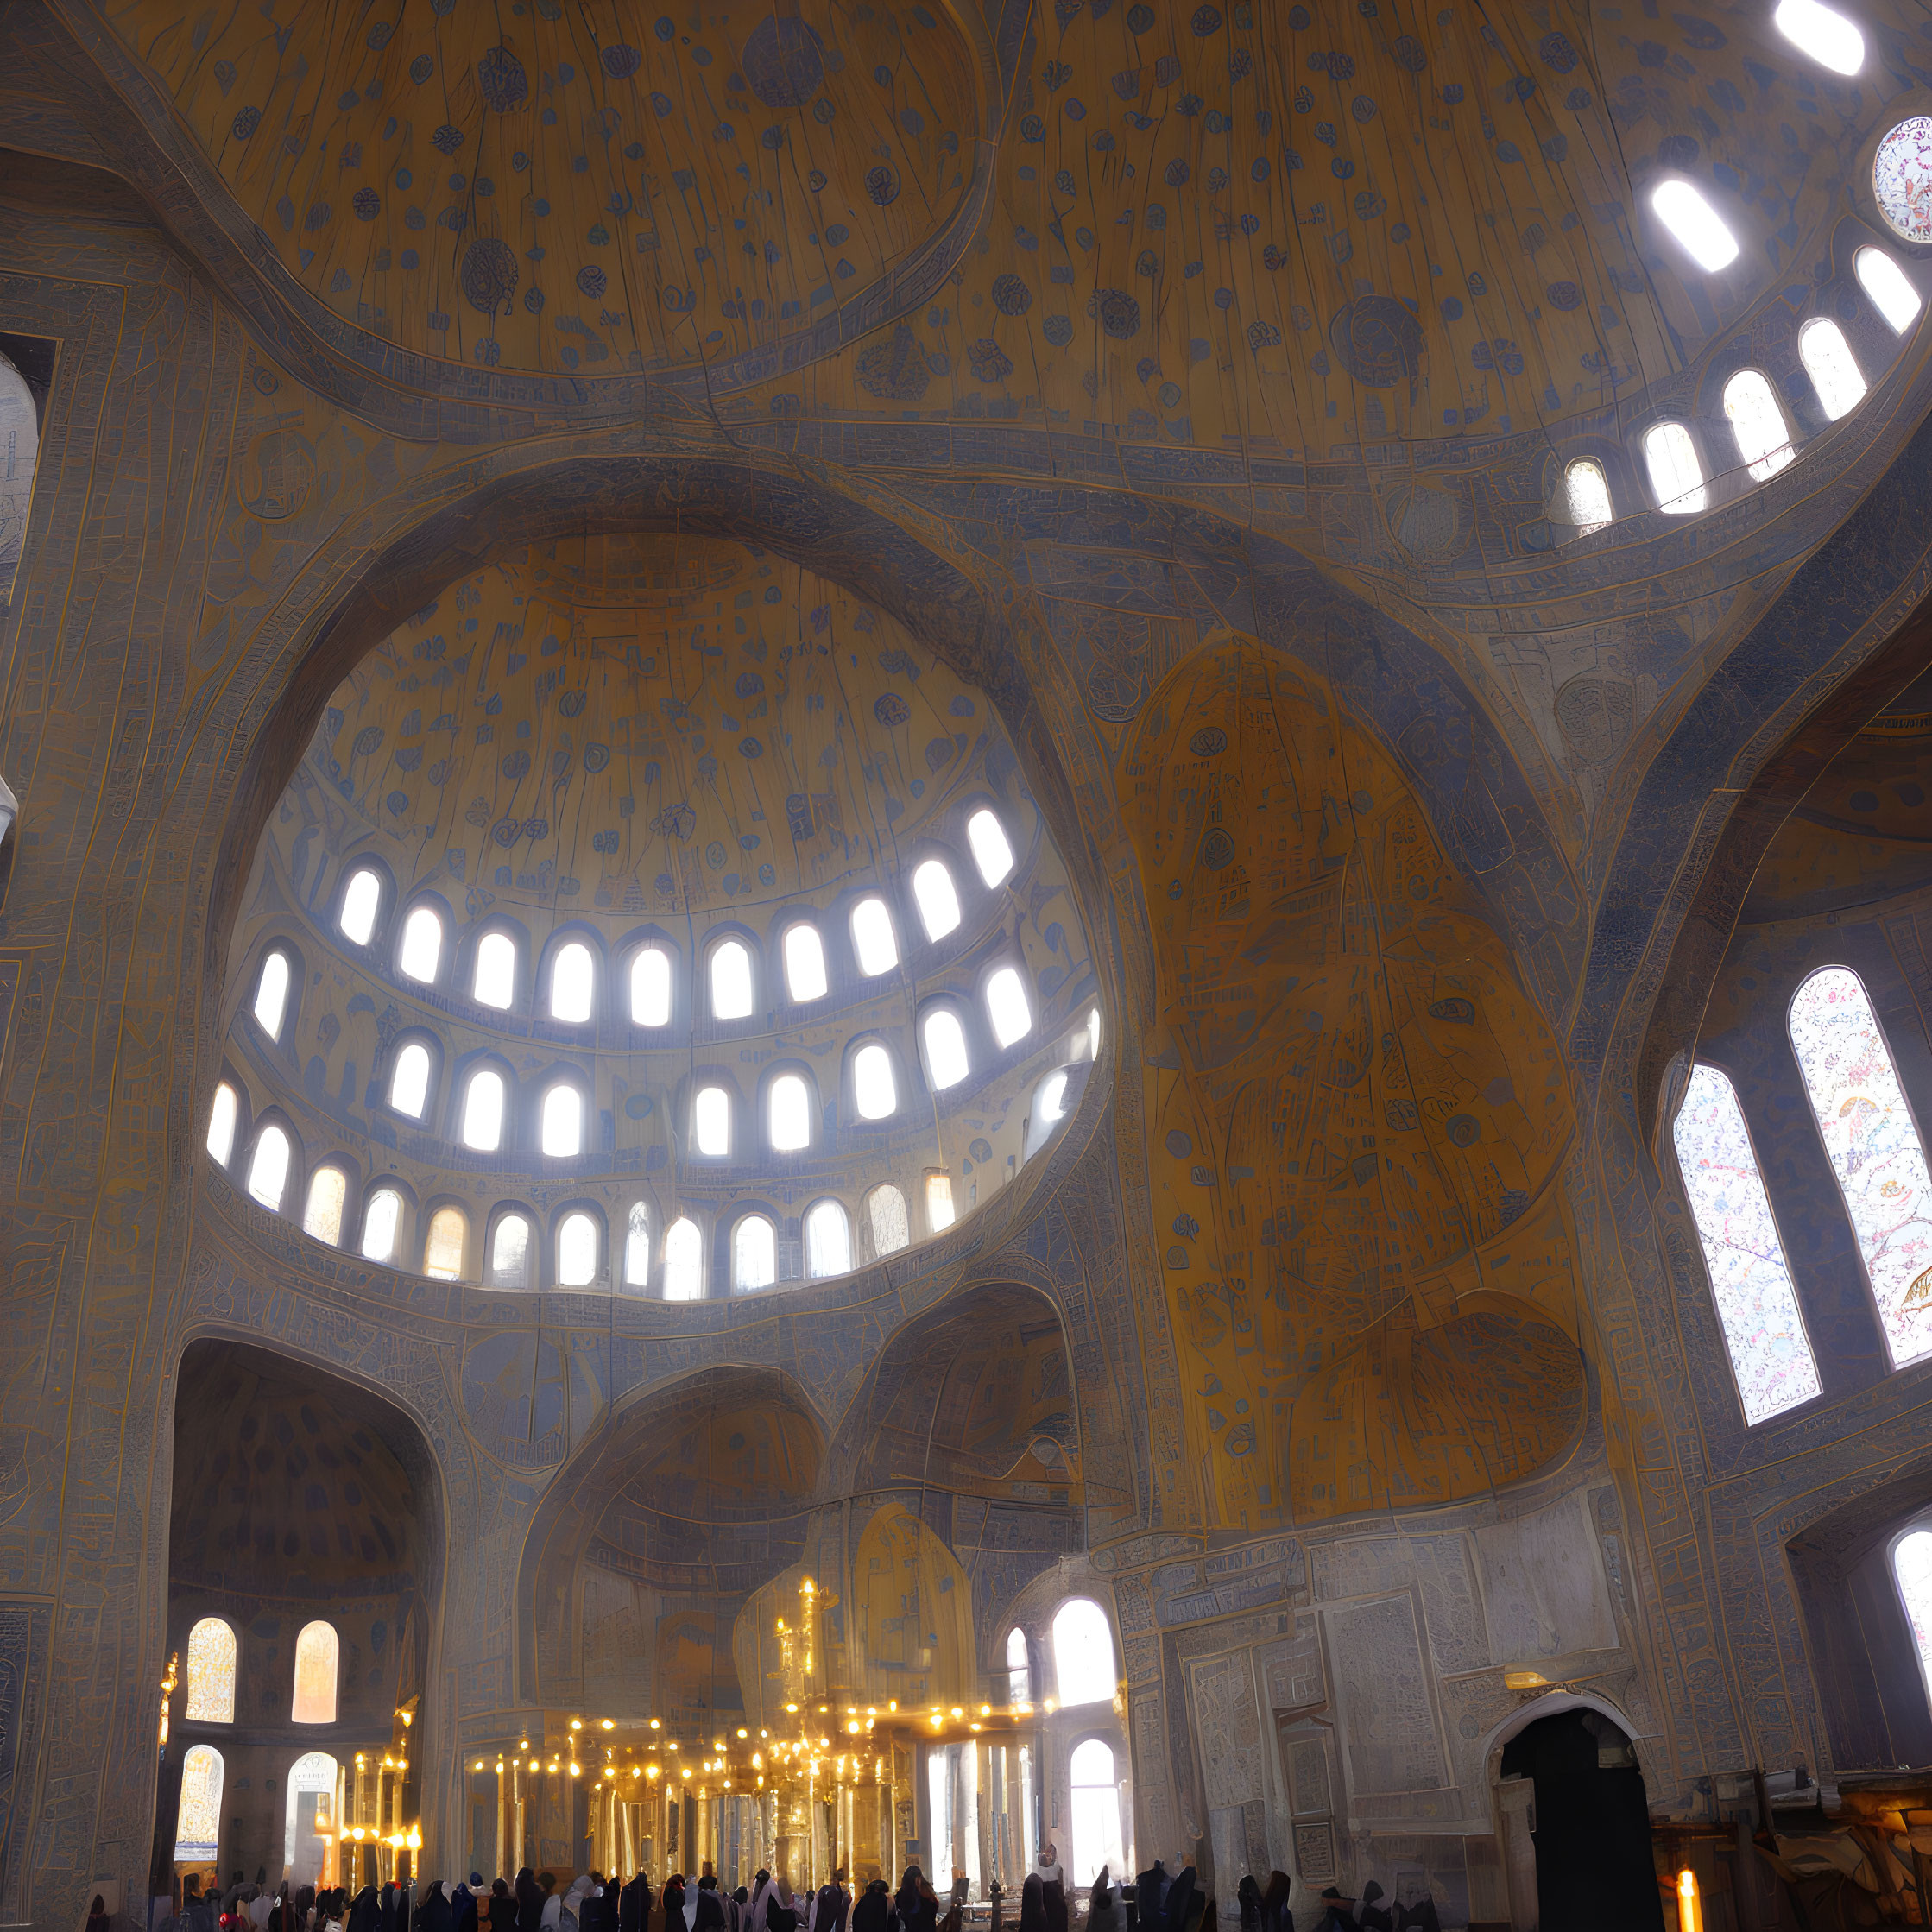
1082, 1653
271, 994
382, 1223
422, 945
892, 1228
1875, 1147
875, 1092
650, 986
1884, 282
562, 1130
577, 1251
197, 1823
938, 1203
1097, 1812
443, 1252
936, 899
754, 1254
828, 1240
1588, 491
268, 1170
637, 1247
509, 1253
1824, 33
684, 1262
1676, 476
573, 981
1020, 1670
316, 1650
992, 853
873, 938
20, 447
1828, 362
1911, 1563
409, 1081
361, 900
1757, 423
1771, 1353
483, 1111
221, 1123
946, 1064
730, 980
494, 984
1006, 1006
804, 963
312, 1784
789, 1106
211, 1675
1694, 225
710, 1122
328, 1189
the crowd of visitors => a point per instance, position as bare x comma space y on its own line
536, 1902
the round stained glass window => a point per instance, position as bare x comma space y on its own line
1902, 178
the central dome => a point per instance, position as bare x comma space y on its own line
648, 911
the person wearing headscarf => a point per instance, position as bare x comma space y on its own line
1105, 1911
366, 1913
1336, 1915
502, 1916
1053, 1896
1419, 1915
464, 1904
914, 1906
674, 1902
1373, 1916
738, 1909
1179, 1902
1032, 1905
1275, 1915
570, 1915
782, 1912
1047, 1864
434, 1914
833, 1904
1247, 1897
1150, 1893
529, 1901
710, 1906
599, 1911
634, 1905
873, 1911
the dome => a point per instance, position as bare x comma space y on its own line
650, 913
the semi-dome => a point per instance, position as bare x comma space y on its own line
650, 912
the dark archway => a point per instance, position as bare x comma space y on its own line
299, 1499
1592, 1827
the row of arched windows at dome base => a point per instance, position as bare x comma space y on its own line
310, 1782
786, 1110
1878, 1160
568, 979
678, 1266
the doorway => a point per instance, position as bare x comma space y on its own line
1590, 1825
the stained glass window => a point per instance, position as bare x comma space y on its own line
1875, 1150
316, 1652
1911, 1563
1751, 1283
197, 1823
212, 1672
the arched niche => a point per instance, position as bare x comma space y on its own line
300, 1499
647, 1540
975, 1397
